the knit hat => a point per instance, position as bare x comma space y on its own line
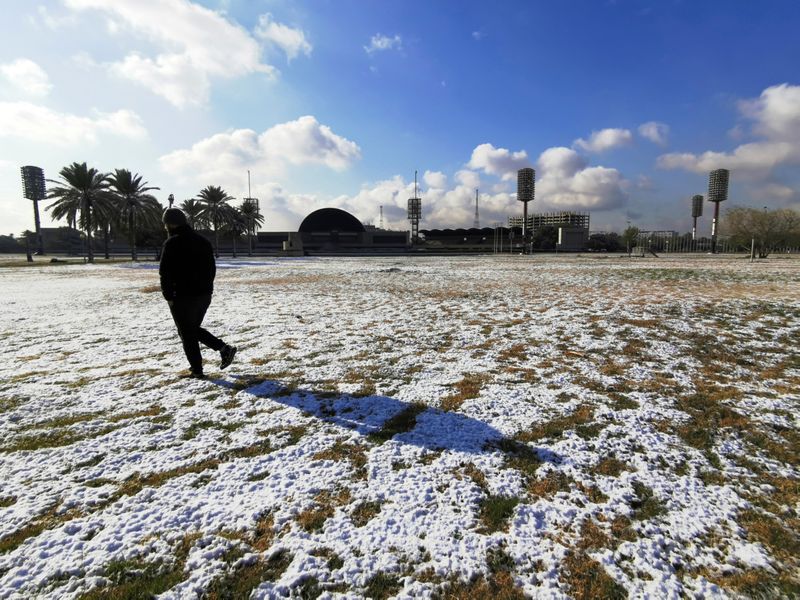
174, 217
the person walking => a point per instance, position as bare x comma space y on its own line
187, 271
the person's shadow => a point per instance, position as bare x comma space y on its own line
380, 418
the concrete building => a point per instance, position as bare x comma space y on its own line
573, 228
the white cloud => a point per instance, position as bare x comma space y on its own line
27, 77
566, 182
196, 45
478, 35
291, 41
605, 139
52, 21
655, 132
468, 179
498, 161
23, 120
435, 179
775, 117
300, 142
380, 43
441, 208
776, 113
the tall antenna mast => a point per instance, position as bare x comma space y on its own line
477, 223
415, 212
380, 225
249, 195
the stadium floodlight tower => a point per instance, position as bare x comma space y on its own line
697, 211
415, 212
717, 192
526, 184
34, 189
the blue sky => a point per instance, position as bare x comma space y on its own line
621, 106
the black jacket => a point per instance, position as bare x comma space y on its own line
187, 265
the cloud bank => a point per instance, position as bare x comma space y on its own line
299, 142
32, 122
774, 120
26, 77
194, 46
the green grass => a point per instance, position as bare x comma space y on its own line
50, 519
240, 582
9, 403
495, 511
134, 579
53, 439
518, 456
645, 505
381, 586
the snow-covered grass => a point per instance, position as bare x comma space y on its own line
405, 427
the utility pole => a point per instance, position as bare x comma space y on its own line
477, 222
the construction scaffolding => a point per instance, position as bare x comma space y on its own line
554, 219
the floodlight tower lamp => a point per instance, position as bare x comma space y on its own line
526, 189
34, 189
697, 211
717, 192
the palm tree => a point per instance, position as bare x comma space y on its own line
235, 224
192, 209
214, 201
80, 190
252, 218
134, 202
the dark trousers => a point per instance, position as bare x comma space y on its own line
188, 314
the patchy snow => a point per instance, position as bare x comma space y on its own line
660, 398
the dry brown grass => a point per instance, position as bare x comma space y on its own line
49, 519
476, 475
497, 587
515, 352
549, 485
150, 289
469, 387
611, 467
592, 537
291, 280
364, 513
582, 416
587, 579
325, 503
264, 533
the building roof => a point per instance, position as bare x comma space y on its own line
330, 219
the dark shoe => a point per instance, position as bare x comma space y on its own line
227, 354
192, 375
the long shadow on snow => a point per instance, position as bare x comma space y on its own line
433, 429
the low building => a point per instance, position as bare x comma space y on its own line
332, 231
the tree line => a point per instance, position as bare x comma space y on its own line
121, 202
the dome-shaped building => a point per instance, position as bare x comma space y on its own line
330, 220
334, 231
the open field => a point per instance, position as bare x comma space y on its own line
466, 427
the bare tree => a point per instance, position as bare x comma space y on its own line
767, 229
